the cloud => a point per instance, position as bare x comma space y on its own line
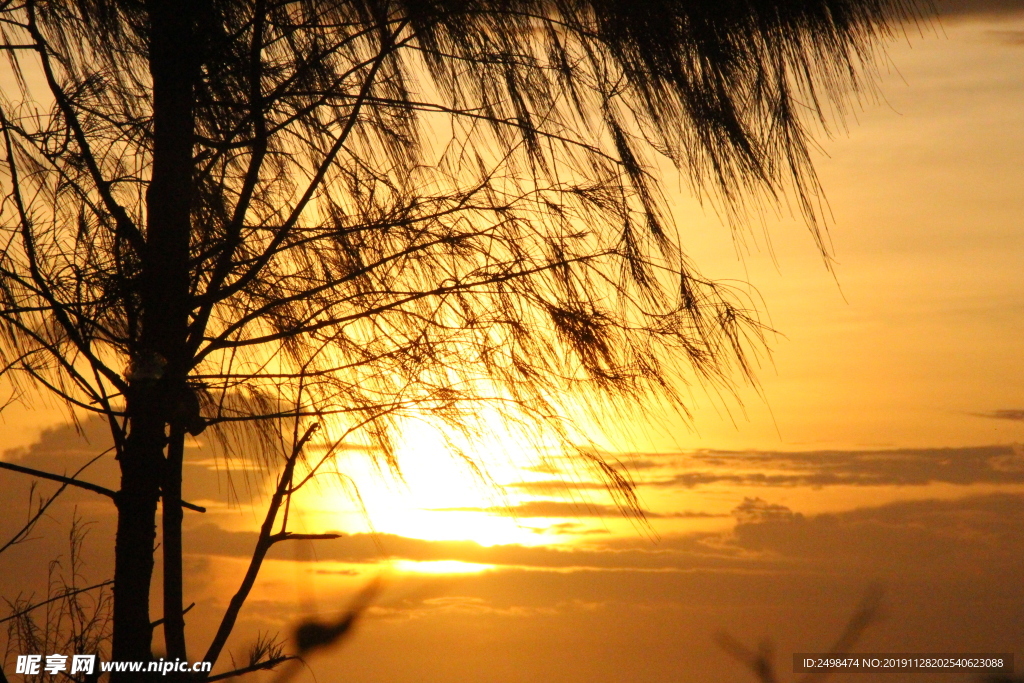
61, 450
1006, 414
966, 537
672, 553
548, 487
554, 508
570, 529
951, 569
896, 467
909, 540
631, 604
1002, 464
756, 510
65, 448
639, 463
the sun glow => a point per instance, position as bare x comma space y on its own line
440, 567
438, 497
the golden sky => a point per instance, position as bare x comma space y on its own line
878, 450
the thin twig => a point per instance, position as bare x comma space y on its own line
269, 664
63, 595
183, 613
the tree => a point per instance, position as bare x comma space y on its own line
262, 216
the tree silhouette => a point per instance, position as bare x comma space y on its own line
260, 216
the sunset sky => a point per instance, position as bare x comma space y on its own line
881, 448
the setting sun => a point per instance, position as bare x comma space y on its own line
437, 495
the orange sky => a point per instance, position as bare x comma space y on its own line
880, 450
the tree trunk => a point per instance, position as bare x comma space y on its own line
161, 357
174, 618
136, 529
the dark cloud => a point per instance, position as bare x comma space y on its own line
968, 536
897, 467
951, 572
633, 610
61, 450
639, 463
1017, 37
951, 569
674, 553
554, 508
65, 448
756, 510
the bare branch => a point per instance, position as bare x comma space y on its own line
289, 536
386, 49
27, 528
161, 620
261, 666
70, 481
63, 595
264, 542
67, 481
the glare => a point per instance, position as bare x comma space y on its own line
440, 567
438, 496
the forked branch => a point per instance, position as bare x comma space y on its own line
266, 540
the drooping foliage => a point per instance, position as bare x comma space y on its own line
394, 206
425, 192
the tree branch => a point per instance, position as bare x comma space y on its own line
68, 481
269, 664
28, 240
289, 536
387, 47
65, 594
123, 222
263, 544
162, 619
43, 506
71, 481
